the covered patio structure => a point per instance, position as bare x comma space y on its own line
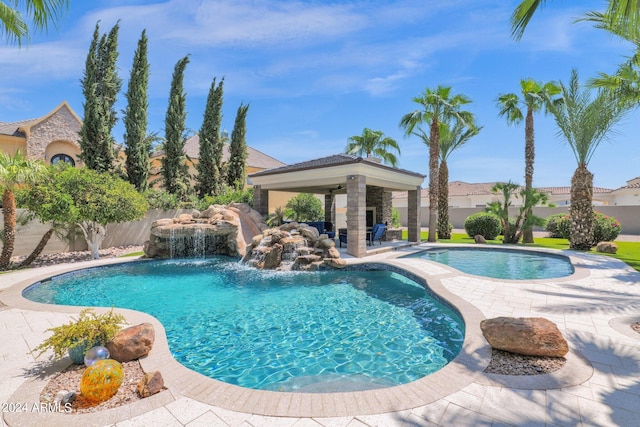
365, 181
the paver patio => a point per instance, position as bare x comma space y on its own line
593, 308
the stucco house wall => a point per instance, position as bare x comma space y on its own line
55, 133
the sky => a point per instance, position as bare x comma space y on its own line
318, 72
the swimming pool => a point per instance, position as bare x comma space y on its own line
500, 263
315, 332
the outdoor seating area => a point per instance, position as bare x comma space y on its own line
376, 234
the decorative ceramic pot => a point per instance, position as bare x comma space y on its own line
76, 353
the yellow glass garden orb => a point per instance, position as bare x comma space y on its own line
101, 380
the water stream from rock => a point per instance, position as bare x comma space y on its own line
199, 243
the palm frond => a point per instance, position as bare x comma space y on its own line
522, 15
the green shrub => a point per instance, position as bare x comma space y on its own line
605, 228
161, 199
484, 223
227, 196
552, 225
90, 328
304, 207
395, 218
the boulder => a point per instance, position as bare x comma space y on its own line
292, 243
335, 262
607, 247
333, 253
307, 259
132, 343
273, 257
529, 336
184, 218
211, 211
278, 235
255, 241
162, 221
479, 238
289, 226
309, 232
326, 243
150, 384
150, 251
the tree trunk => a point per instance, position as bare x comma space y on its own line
529, 156
94, 234
38, 250
434, 154
581, 209
9, 212
444, 232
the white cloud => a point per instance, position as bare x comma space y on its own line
263, 22
52, 60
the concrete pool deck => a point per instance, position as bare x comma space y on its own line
600, 385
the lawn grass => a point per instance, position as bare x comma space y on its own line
139, 253
628, 252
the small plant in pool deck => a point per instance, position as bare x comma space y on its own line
89, 330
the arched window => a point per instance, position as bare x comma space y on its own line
62, 158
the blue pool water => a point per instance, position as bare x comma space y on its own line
500, 264
321, 331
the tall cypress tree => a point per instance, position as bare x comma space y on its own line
210, 159
138, 145
174, 168
238, 150
100, 87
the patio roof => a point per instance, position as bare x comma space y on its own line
328, 175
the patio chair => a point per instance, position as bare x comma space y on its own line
342, 237
376, 233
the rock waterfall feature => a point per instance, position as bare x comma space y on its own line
238, 230
219, 230
293, 246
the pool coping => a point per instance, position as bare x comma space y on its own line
466, 368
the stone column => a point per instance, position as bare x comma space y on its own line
261, 200
413, 215
328, 208
356, 215
387, 209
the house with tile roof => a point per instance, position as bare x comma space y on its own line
51, 138
477, 195
54, 137
627, 195
256, 160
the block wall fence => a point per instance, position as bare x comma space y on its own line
629, 216
137, 232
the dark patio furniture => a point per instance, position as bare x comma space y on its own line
376, 234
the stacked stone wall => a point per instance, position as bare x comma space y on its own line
60, 126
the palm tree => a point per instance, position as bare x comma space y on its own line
451, 138
584, 122
622, 14
535, 96
15, 171
373, 142
436, 106
625, 83
40, 12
